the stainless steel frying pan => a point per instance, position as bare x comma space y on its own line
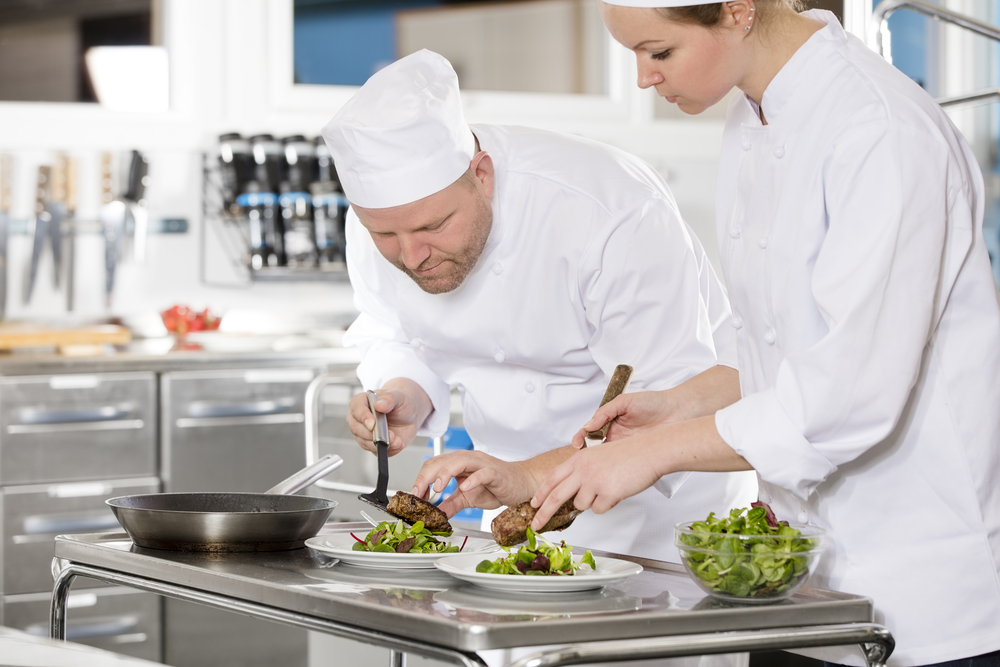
270, 521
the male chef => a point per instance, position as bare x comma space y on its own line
520, 266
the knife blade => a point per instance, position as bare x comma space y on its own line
70, 231
112, 217
136, 203
5, 181
56, 207
616, 386
39, 228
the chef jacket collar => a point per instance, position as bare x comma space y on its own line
784, 89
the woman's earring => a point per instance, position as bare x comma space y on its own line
749, 19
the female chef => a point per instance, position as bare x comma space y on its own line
849, 219
849, 216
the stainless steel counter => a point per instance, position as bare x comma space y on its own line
658, 613
134, 359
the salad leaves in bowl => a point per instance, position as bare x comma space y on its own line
749, 556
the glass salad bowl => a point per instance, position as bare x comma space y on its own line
749, 568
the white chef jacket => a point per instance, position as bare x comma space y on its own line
588, 265
868, 337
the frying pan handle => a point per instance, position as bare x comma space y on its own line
307, 475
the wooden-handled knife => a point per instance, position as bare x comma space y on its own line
617, 386
70, 231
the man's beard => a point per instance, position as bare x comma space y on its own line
458, 266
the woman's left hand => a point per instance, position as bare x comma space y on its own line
599, 477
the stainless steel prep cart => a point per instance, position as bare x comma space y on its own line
658, 613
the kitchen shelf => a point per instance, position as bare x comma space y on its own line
334, 272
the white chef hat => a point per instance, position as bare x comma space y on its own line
403, 136
657, 3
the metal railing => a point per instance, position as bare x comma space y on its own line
878, 28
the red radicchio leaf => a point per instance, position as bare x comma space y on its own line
772, 520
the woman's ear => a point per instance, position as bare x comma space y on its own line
738, 14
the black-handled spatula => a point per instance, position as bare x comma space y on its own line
380, 436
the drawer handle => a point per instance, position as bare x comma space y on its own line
54, 524
261, 420
98, 627
72, 427
208, 410
103, 413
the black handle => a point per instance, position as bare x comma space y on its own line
383, 473
136, 173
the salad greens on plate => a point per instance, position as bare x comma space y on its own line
538, 557
390, 537
748, 554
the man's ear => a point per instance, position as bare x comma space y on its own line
482, 167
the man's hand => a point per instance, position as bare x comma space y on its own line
406, 407
483, 481
643, 412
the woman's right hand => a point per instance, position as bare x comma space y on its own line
633, 414
641, 412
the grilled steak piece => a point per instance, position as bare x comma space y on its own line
409, 508
510, 527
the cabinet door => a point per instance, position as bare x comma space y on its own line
32, 515
112, 618
232, 430
60, 428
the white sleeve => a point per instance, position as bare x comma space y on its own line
646, 293
385, 350
897, 209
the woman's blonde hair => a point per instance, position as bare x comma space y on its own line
708, 15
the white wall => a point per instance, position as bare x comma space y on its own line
230, 71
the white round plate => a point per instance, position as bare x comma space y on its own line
609, 571
340, 545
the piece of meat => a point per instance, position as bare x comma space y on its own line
408, 507
510, 527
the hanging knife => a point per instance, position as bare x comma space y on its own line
39, 228
113, 223
134, 200
70, 230
5, 180
56, 207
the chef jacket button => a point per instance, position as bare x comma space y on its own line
779, 151
498, 268
734, 232
529, 387
499, 357
762, 242
803, 516
769, 337
416, 343
746, 145
737, 322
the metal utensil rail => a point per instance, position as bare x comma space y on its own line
449, 640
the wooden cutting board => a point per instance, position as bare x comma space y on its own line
15, 335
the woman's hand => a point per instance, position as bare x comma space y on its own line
599, 477
483, 481
642, 412
406, 407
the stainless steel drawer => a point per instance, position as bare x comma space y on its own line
57, 428
32, 515
232, 430
115, 619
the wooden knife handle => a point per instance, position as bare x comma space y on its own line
42, 189
70, 184
57, 192
619, 382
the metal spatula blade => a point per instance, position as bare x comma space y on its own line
380, 436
